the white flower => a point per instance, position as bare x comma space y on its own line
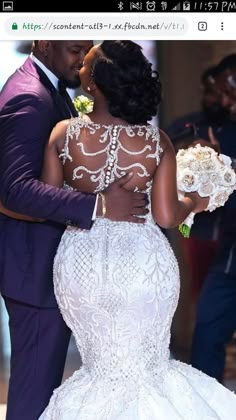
83, 104
208, 165
187, 180
225, 159
227, 177
206, 189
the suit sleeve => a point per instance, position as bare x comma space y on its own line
25, 126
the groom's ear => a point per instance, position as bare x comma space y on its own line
43, 47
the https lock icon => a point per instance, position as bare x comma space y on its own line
14, 26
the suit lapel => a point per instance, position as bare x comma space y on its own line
61, 107
70, 105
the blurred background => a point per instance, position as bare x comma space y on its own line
181, 64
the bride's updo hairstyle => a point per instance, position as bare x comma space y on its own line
126, 79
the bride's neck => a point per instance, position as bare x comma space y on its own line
102, 115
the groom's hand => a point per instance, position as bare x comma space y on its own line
123, 205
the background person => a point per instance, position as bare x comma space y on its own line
216, 314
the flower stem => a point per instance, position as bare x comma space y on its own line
184, 230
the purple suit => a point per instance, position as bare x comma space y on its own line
30, 106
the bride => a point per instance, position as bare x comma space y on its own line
117, 285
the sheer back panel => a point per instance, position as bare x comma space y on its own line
94, 155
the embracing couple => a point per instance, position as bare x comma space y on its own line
78, 191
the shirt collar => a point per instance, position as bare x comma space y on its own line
53, 79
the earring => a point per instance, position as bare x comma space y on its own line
88, 88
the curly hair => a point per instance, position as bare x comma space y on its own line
126, 79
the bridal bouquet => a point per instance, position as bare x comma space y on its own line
83, 104
203, 170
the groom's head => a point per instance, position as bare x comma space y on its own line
63, 58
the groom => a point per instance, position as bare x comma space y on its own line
30, 106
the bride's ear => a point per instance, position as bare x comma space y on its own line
91, 86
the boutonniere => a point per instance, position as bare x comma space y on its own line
83, 104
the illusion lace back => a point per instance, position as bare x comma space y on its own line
117, 287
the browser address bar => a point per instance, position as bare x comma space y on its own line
99, 26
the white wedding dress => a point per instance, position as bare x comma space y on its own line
117, 287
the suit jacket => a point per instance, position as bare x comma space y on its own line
30, 107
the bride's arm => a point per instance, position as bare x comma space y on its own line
167, 209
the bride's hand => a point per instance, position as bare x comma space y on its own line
200, 203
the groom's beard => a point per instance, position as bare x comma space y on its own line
71, 84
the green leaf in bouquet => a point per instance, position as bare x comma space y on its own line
184, 230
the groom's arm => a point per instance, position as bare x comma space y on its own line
24, 131
18, 216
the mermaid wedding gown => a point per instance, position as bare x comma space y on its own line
117, 287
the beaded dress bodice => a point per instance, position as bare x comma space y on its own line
107, 152
117, 288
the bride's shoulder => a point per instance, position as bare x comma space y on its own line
165, 140
151, 132
60, 128
78, 122
81, 119
63, 123
159, 136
